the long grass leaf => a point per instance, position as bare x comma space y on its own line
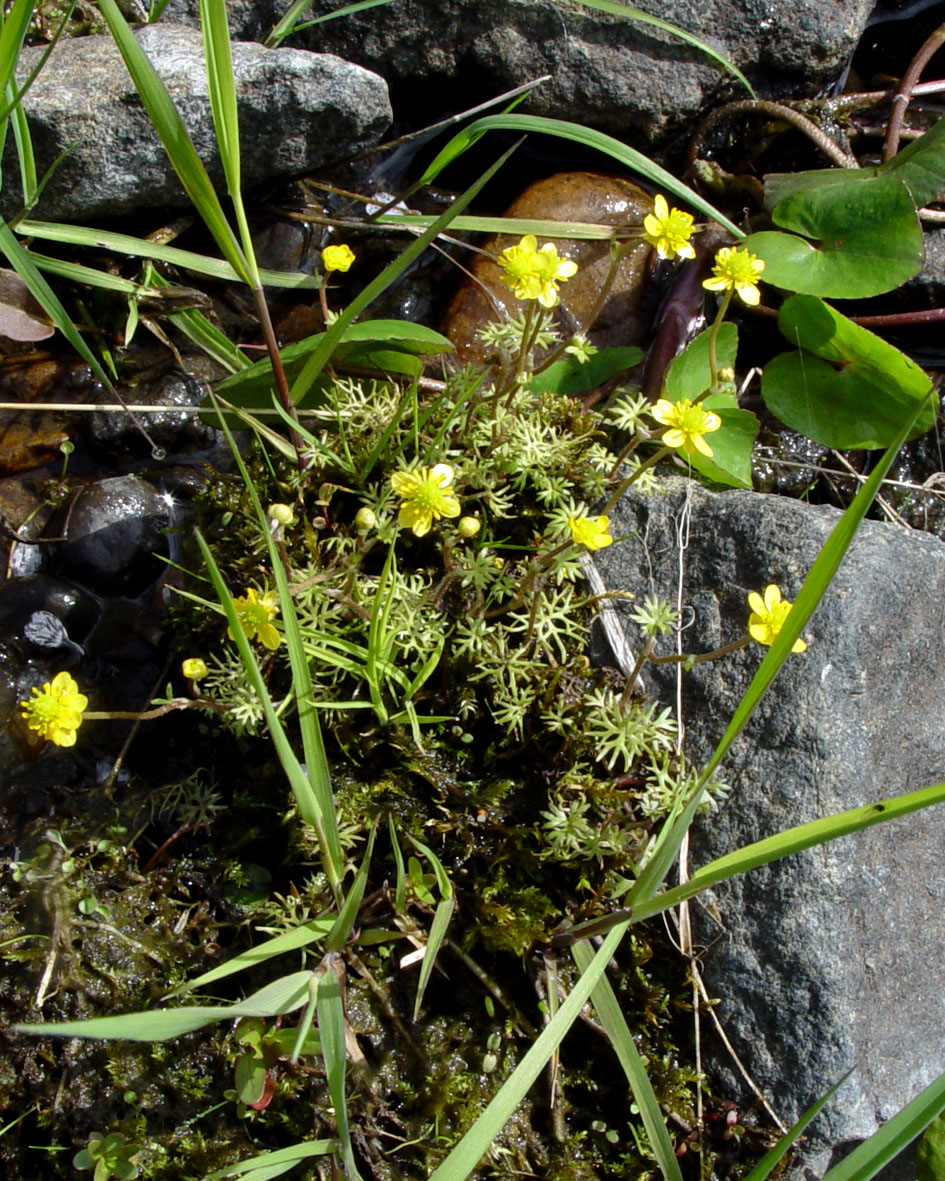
288, 24
628, 12
252, 1169
815, 585
175, 138
764, 1167
792, 840
19, 258
618, 1032
438, 928
281, 996
313, 792
331, 1030
540, 124
187, 260
303, 935
309, 801
464, 1158
344, 924
320, 356
873, 1154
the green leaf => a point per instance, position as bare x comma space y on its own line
930, 1154
392, 341
628, 12
282, 996
866, 238
731, 444
634, 1067
764, 1167
273, 1164
568, 376
896, 1134
540, 124
921, 165
689, 376
853, 392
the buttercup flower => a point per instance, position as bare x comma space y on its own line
593, 532
55, 710
768, 615
535, 274
736, 270
194, 668
669, 230
337, 258
256, 615
688, 423
426, 497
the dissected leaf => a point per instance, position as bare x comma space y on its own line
845, 387
864, 236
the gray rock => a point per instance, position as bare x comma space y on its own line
297, 110
630, 79
835, 957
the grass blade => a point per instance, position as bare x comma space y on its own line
615, 1025
331, 1029
319, 357
464, 1158
628, 12
281, 996
315, 808
763, 1168
896, 1134
19, 258
288, 24
540, 124
258, 1168
175, 138
187, 260
815, 585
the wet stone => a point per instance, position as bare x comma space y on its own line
115, 436
569, 196
785, 462
114, 536
31, 437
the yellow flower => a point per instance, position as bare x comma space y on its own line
768, 615
669, 230
194, 669
736, 270
594, 532
337, 258
55, 710
255, 615
425, 497
535, 274
687, 422
469, 526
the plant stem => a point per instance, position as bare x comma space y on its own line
634, 475
904, 94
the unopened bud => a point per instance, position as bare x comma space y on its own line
469, 526
364, 519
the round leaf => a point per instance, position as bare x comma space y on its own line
849, 389
865, 239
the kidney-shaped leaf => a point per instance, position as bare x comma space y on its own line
865, 236
845, 387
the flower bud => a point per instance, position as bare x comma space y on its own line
194, 668
282, 514
468, 526
364, 519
